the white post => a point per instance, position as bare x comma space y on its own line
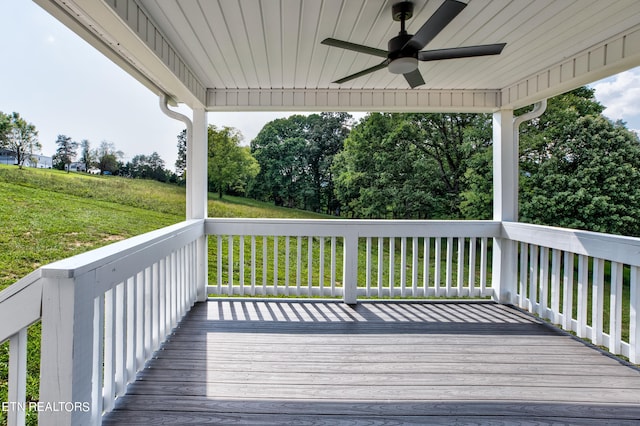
197, 167
505, 204
505, 167
350, 269
66, 364
197, 155
17, 376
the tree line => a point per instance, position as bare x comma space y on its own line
107, 159
20, 138
577, 168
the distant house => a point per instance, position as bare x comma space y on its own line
36, 160
39, 161
77, 166
7, 157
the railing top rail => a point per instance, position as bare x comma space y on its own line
77, 265
357, 227
611, 247
20, 304
20, 285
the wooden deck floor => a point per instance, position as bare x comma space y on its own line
283, 362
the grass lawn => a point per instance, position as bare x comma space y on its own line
48, 215
44, 222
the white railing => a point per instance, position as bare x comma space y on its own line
103, 315
19, 308
105, 312
355, 258
350, 258
584, 282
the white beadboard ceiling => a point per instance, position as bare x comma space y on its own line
266, 54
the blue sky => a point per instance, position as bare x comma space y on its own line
58, 82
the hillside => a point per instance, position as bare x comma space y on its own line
48, 215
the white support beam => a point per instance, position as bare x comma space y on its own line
197, 155
505, 203
197, 167
505, 167
480, 101
197, 191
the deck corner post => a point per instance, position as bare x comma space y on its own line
350, 270
66, 364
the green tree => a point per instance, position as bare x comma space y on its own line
156, 167
249, 169
107, 158
325, 137
451, 140
85, 154
296, 156
5, 126
181, 161
20, 137
409, 165
230, 165
476, 200
382, 173
577, 169
588, 180
280, 150
65, 154
540, 137
146, 167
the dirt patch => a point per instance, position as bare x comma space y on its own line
112, 238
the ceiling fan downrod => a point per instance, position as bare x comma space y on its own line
401, 63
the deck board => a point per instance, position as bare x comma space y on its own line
245, 361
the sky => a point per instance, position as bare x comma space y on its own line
56, 81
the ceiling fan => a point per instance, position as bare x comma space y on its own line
405, 50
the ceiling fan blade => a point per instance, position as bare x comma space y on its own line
436, 23
355, 47
461, 52
381, 65
414, 78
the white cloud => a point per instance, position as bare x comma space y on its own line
620, 95
50, 39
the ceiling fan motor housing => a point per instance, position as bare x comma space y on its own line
401, 62
396, 44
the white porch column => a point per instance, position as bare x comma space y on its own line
197, 191
197, 167
505, 167
505, 204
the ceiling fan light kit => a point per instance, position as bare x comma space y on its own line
405, 50
403, 65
